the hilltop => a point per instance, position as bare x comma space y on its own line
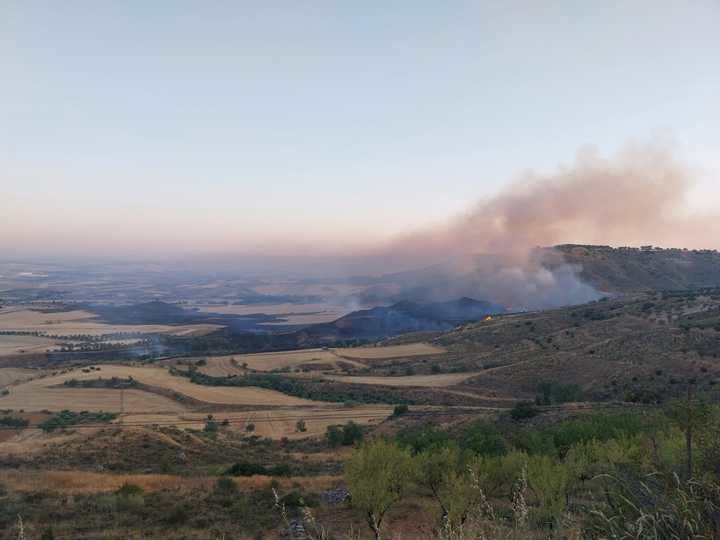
627, 269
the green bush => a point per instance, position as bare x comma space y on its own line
399, 410
523, 410
67, 418
484, 439
225, 485
13, 422
245, 468
423, 438
346, 435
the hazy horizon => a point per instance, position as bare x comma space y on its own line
187, 132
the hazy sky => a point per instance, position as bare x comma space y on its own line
175, 127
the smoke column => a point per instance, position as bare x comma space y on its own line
637, 197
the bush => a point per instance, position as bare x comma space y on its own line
127, 490
283, 469
211, 426
346, 435
13, 422
178, 515
68, 418
225, 485
523, 410
485, 440
421, 439
246, 468
399, 410
550, 393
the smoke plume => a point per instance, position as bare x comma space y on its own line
638, 197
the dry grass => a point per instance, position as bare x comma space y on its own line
293, 313
36, 394
10, 376
223, 365
12, 345
75, 322
81, 482
391, 351
31, 441
430, 381
275, 423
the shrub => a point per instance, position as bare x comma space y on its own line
346, 435
67, 418
245, 468
484, 439
282, 469
421, 439
523, 410
178, 515
13, 422
549, 481
225, 485
378, 475
211, 426
126, 490
399, 410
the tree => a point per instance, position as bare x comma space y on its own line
442, 471
250, 428
523, 410
399, 410
211, 425
688, 414
300, 426
378, 475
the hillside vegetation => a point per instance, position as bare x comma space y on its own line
636, 269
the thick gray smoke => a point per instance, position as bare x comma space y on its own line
638, 197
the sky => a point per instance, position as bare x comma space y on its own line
192, 129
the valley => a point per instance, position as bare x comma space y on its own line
174, 396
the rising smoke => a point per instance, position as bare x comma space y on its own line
638, 197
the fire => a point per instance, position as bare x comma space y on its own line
488, 318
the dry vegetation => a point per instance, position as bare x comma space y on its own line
273, 423
390, 351
292, 313
430, 381
78, 322
77, 482
48, 393
232, 365
10, 376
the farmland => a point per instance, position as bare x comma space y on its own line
49, 392
79, 322
310, 313
228, 365
430, 381
313, 359
390, 351
21, 344
9, 376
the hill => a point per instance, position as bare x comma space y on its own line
636, 269
405, 316
640, 348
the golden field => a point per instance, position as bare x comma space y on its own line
44, 393
79, 322
389, 351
